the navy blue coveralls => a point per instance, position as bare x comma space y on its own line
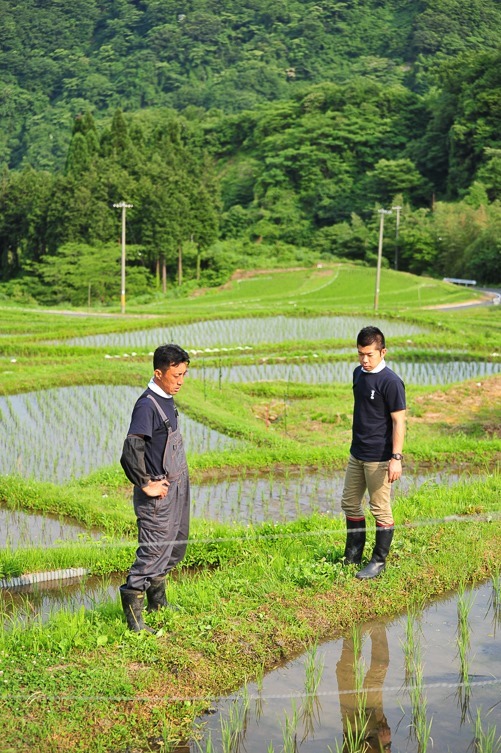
163, 524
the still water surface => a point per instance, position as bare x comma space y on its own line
68, 432
248, 331
449, 704
428, 373
19, 529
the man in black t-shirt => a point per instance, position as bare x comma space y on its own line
376, 451
154, 460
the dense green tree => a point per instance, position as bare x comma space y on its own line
24, 204
482, 257
418, 243
390, 177
489, 173
78, 273
233, 56
351, 240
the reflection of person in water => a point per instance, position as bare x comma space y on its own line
366, 708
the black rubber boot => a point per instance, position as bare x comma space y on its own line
355, 541
377, 564
132, 604
155, 595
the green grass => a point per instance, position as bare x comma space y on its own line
339, 285
257, 595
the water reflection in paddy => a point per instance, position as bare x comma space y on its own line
247, 331
316, 724
36, 602
20, 529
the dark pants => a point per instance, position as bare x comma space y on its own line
163, 527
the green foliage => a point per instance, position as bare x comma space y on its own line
82, 274
272, 130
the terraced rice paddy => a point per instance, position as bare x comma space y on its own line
247, 331
68, 432
428, 373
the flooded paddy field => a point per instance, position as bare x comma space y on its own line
421, 681
247, 331
426, 373
68, 432
281, 498
37, 602
249, 499
20, 529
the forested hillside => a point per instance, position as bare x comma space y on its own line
245, 132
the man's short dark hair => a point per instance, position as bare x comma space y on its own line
369, 335
169, 355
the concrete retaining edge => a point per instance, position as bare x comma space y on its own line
30, 578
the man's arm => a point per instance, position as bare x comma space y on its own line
132, 461
395, 466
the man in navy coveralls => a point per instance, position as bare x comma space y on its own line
154, 460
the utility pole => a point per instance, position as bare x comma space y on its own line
382, 213
123, 206
397, 210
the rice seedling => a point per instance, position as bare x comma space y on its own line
233, 726
207, 746
259, 702
486, 740
350, 672
289, 732
420, 726
314, 667
464, 604
494, 605
411, 643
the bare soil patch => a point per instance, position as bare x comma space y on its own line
478, 402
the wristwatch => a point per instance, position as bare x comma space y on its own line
397, 456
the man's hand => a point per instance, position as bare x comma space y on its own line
394, 470
156, 488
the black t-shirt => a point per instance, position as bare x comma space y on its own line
376, 396
146, 420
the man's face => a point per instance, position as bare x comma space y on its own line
171, 379
369, 356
